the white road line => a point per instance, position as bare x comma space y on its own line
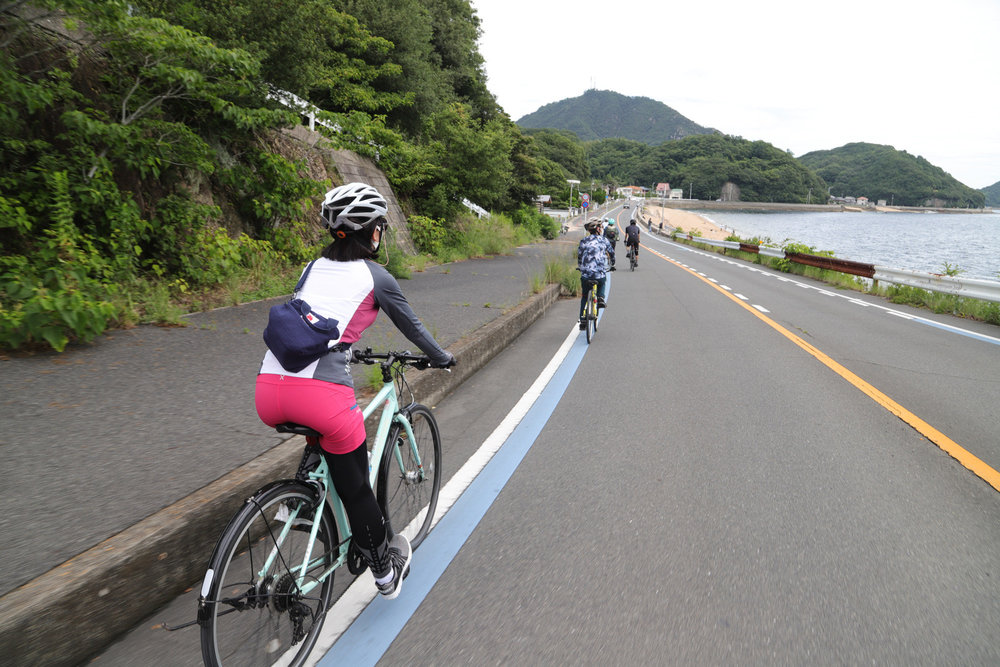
767, 274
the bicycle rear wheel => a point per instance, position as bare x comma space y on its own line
409, 476
254, 610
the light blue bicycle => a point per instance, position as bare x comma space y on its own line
270, 579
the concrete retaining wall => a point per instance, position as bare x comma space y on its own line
352, 167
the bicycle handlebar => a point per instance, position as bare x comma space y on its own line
406, 358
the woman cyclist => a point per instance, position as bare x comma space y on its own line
346, 285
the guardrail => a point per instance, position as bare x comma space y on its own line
973, 288
307, 109
475, 208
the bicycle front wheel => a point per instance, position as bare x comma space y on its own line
262, 601
591, 317
409, 476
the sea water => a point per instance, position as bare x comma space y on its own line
927, 242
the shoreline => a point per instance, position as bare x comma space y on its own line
680, 215
697, 204
688, 221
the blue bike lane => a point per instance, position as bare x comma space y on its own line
369, 635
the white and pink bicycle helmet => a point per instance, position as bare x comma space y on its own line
352, 207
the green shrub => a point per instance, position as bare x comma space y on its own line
785, 265
395, 260
990, 312
53, 293
427, 233
535, 222
481, 237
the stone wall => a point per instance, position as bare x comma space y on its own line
350, 167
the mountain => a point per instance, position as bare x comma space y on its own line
882, 172
992, 193
604, 114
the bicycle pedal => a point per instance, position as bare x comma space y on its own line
355, 561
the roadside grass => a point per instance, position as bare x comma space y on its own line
561, 271
151, 301
148, 302
965, 307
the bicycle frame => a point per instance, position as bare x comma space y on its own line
388, 399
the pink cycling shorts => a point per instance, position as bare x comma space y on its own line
326, 407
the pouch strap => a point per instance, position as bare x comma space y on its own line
302, 280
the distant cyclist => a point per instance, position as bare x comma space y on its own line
593, 256
632, 239
611, 234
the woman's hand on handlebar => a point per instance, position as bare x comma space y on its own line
445, 363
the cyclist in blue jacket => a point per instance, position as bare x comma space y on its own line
594, 256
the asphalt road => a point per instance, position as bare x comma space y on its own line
708, 492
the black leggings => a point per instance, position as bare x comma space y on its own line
350, 479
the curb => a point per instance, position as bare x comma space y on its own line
71, 612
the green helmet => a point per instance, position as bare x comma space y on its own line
611, 222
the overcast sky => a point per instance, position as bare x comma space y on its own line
803, 75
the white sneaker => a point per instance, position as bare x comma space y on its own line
399, 556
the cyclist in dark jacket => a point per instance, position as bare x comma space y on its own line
632, 239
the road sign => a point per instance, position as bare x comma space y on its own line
585, 197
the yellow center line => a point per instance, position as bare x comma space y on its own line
962, 455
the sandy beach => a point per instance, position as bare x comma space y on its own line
684, 220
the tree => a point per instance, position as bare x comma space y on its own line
101, 137
409, 26
306, 47
473, 162
455, 39
881, 172
563, 148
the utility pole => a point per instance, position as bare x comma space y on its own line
570, 207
